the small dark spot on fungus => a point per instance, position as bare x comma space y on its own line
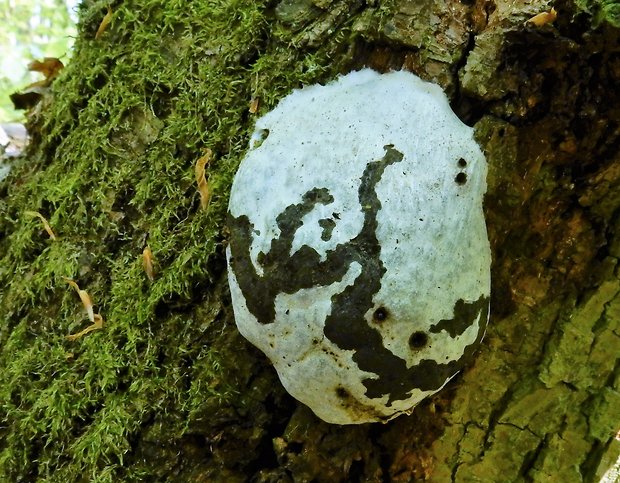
462, 163
380, 314
461, 178
418, 340
341, 392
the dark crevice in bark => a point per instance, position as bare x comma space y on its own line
456, 466
529, 459
375, 434
592, 460
498, 409
467, 109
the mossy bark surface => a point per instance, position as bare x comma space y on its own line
168, 389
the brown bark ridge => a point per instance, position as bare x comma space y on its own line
166, 389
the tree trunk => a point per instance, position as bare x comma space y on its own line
167, 389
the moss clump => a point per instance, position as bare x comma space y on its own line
602, 11
110, 166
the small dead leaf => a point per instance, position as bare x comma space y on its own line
28, 97
46, 225
84, 297
147, 262
543, 18
50, 67
201, 180
104, 23
96, 319
97, 324
254, 103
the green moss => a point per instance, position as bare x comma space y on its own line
602, 10
111, 166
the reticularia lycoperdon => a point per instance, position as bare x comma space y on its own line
359, 261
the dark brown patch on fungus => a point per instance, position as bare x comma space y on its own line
328, 226
464, 314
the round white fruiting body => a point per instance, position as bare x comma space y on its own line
359, 261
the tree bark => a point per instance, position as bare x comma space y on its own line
168, 389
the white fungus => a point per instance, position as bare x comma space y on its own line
358, 258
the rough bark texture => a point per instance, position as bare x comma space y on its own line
168, 389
